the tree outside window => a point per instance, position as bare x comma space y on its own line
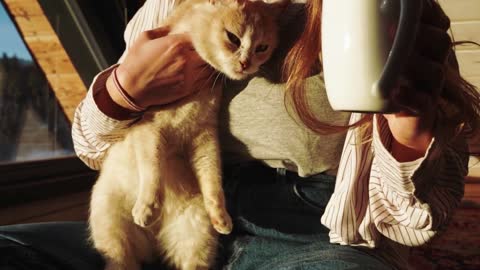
32, 124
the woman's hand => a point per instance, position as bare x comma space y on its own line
417, 96
158, 69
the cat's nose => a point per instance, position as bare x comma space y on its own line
245, 64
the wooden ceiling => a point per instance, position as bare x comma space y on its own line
49, 53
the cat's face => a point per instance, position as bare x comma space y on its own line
242, 36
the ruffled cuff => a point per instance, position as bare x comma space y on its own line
403, 177
96, 117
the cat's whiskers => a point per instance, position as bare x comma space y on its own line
212, 74
224, 80
204, 68
215, 81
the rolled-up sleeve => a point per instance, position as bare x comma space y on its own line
411, 201
93, 132
407, 202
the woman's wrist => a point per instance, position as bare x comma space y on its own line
110, 104
411, 135
414, 149
120, 95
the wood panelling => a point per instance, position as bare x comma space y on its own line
469, 62
474, 80
465, 17
474, 166
462, 10
468, 30
49, 53
472, 182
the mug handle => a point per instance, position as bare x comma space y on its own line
410, 13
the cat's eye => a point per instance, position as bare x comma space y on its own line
233, 38
261, 48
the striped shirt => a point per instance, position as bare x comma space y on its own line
377, 200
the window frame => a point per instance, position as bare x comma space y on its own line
28, 181
91, 50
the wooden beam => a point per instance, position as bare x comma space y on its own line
49, 53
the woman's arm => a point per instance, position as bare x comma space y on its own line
99, 121
156, 69
416, 185
411, 201
375, 194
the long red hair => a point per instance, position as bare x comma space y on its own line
459, 109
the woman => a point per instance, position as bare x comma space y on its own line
398, 178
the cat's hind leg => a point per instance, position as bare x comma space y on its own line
122, 243
187, 238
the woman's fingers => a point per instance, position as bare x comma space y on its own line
194, 60
166, 82
168, 90
148, 36
158, 32
180, 43
160, 67
172, 69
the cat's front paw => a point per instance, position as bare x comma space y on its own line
145, 214
222, 222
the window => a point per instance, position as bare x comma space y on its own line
32, 124
91, 31
37, 160
36, 154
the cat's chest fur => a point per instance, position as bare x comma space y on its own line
160, 189
179, 122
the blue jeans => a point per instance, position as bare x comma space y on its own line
276, 226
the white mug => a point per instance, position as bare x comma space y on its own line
365, 45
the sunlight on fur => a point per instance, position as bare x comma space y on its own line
159, 194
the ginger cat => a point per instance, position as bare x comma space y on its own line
160, 189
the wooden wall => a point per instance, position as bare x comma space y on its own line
46, 48
465, 16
